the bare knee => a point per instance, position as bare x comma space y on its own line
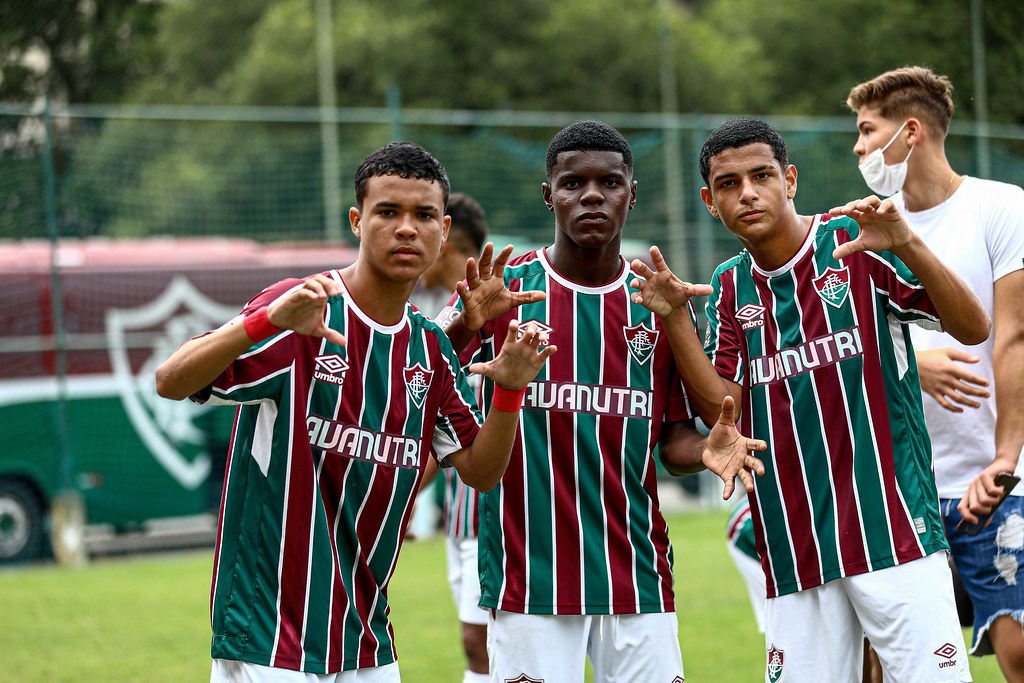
1008, 642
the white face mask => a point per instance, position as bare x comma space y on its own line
883, 179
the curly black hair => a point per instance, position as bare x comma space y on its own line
587, 136
403, 159
739, 133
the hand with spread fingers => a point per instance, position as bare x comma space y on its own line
882, 227
727, 452
660, 290
303, 309
521, 358
484, 294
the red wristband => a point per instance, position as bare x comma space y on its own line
258, 326
507, 401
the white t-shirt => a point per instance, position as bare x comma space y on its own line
979, 233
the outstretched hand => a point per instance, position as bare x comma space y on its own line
727, 452
521, 358
484, 294
303, 309
882, 226
660, 290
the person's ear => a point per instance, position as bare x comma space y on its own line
915, 130
790, 181
354, 219
709, 201
545, 191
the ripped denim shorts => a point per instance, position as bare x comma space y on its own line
991, 566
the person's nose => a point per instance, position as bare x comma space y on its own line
592, 194
860, 148
748, 191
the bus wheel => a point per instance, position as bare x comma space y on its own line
22, 535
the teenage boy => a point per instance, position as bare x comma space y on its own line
977, 227
344, 392
575, 558
808, 328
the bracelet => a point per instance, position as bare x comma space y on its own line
258, 325
506, 400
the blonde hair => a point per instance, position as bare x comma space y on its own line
908, 91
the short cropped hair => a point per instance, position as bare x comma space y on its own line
740, 133
403, 159
908, 91
469, 219
587, 136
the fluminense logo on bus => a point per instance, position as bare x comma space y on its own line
169, 429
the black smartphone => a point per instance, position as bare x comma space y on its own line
1007, 481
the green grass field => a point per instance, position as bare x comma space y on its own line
146, 618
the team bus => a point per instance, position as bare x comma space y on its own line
82, 329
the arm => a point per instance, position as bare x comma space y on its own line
1008, 366
198, 362
725, 451
484, 296
668, 296
883, 228
482, 463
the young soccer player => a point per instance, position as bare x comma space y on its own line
808, 328
344, 392
575, 558
977, 226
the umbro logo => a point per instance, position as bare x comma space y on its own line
750, 315
541, 327
947, 652
331, 368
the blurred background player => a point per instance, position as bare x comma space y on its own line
458, 502
977, 227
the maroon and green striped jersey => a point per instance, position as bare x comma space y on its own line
328, 449
822, 350
574, 526
459, 506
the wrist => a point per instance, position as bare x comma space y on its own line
507, 400
258, 326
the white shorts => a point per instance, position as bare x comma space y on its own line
464, 578
626, 647
232, 671
907, 612
753, 576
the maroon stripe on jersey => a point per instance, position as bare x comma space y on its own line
610, 432
659, 538
787, 458
904, 534
566, 521
827, 382
335, 469
302, 486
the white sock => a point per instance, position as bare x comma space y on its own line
472, 677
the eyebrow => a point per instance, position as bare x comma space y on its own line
757, 169
395, 205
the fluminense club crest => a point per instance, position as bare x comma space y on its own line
775, 659
833, 286
640, 340
417, 381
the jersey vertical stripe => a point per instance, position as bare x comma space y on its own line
328, 450
821, 350
574, 525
